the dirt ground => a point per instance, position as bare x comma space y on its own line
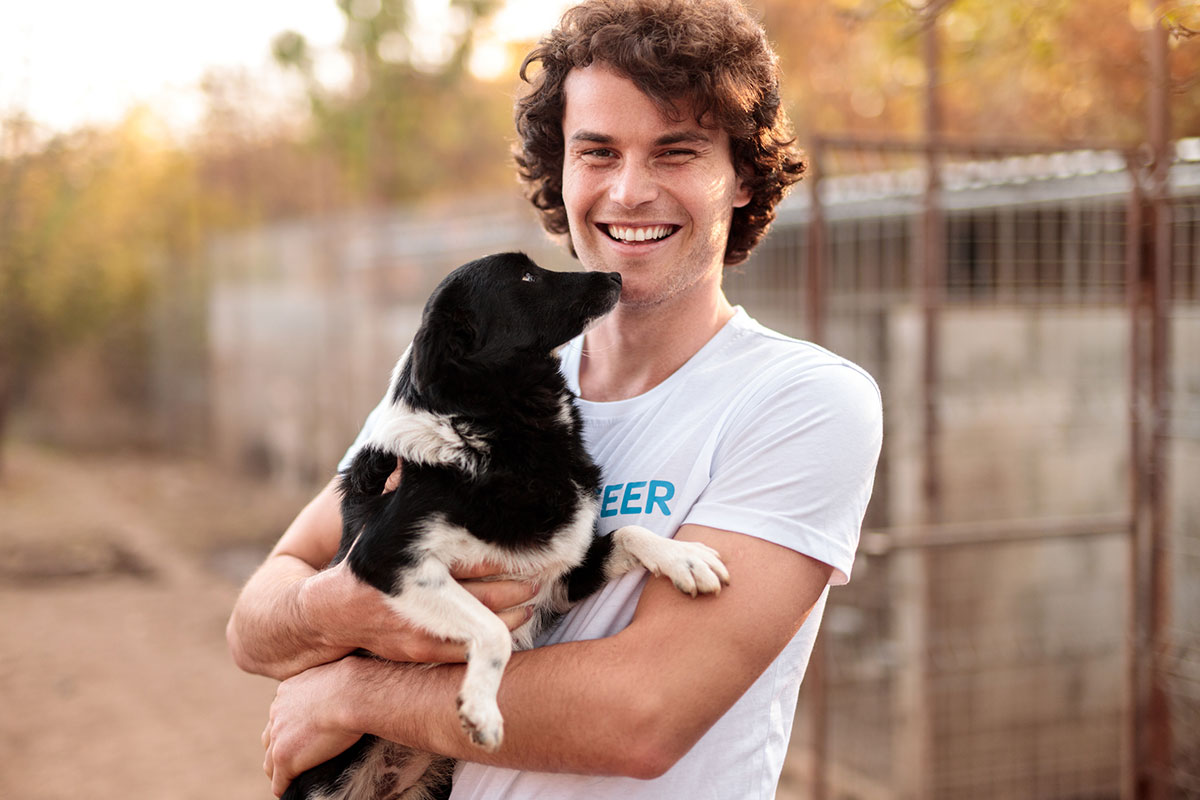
117, 574
116, 578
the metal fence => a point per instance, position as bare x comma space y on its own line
1021, 621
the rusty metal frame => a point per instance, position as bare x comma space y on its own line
1138, 639
1147, 746
1153, 778
815, 293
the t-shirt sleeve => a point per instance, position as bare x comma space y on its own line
795, 465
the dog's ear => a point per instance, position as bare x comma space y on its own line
440, 346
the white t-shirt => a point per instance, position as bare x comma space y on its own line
758, 434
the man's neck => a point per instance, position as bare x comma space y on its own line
635, 349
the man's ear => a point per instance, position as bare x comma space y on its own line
742, 195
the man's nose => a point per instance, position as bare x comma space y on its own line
634, 185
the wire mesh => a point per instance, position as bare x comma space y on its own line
1181, 662
983, 666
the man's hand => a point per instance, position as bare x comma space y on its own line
353, 614
305, 727
292, 616
358, 613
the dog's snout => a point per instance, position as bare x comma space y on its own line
615, 277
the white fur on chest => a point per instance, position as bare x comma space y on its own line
455, 546
420, 437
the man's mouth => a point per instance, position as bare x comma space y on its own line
638, 233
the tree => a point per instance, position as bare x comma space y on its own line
414, 121
80, 219
1039, 70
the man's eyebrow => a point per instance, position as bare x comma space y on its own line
689, 136
591, 136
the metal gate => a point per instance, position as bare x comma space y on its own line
1019, 625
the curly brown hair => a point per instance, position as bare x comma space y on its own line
710, 54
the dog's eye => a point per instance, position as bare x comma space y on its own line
529, 277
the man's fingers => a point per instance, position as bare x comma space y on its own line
278, 786
515, 617
393, 480
484, 569
501, 595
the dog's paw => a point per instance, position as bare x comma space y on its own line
480, 718
693, 567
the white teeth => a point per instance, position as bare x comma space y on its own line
628, 234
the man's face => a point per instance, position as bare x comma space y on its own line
646, 196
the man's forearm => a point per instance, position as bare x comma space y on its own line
268, 632
630, 704
556, 718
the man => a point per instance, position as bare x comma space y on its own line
652, 136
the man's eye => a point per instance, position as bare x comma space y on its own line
678, 156
529, 277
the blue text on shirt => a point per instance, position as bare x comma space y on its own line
636, 497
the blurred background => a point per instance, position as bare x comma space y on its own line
218, 225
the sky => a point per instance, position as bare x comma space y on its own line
75, 62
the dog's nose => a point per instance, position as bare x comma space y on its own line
615, 277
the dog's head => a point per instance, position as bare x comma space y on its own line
503, 312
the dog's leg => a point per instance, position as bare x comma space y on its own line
693, 567
430, 598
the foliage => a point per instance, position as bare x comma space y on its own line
80, 219
87, 217
414, 122
92, 219
1039, 70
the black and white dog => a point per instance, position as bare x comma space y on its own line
494, 469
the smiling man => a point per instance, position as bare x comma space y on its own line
645, 195
652, 137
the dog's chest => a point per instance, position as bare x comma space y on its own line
522, 550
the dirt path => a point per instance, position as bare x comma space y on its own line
114, 678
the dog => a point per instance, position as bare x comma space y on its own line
494, 469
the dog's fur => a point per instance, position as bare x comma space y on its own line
494, 469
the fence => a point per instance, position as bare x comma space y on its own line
1020, 624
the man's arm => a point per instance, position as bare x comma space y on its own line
631, 704
293, 615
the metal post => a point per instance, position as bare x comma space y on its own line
1133, 746
913, 766
814, 278
1158, 722
816, 680
932, 279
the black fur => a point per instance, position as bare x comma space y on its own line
483, 361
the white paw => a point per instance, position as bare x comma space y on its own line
694, 568
480, 718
